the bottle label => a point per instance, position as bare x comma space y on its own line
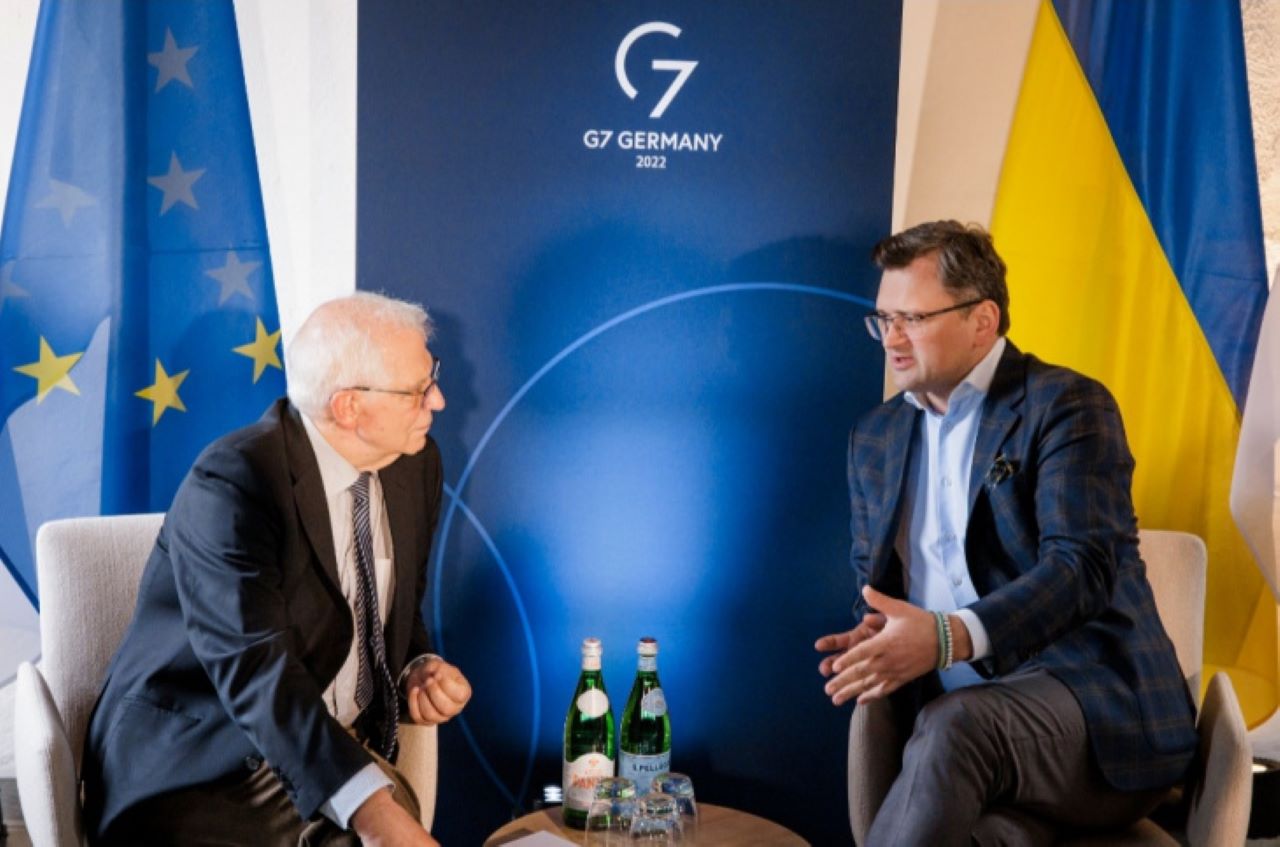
593, 703
654, 702
647, 663
581, 776
642, 769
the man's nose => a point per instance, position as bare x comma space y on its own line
893, 335
435, 398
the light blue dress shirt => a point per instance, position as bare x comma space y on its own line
935, 510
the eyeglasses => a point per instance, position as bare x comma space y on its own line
879, 324
421, 395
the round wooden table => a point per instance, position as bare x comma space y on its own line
717, 825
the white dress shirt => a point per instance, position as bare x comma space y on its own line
935, 510
337, 476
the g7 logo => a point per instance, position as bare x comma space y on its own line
682, 67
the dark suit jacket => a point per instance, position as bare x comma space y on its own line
241, 625
1052, 546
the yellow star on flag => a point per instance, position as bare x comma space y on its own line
50, 371
262, 350
163, 392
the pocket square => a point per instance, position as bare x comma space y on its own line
1001, 469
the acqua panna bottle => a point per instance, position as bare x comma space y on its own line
588, 738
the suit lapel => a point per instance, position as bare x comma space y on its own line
1001, 412
308, 493
900, 440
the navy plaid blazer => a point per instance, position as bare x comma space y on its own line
1052, 547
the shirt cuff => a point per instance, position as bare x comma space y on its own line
417, 662
977, 634
343, 804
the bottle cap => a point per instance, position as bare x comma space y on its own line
592, 647
647, 646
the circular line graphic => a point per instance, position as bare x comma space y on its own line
455, 499
533, 661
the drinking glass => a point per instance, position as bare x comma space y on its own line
612, 810
657, 820
680, 787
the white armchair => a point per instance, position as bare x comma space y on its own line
88, 571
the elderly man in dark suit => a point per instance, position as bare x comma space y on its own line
256, 695
1002, 603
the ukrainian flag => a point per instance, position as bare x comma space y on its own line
1128, 213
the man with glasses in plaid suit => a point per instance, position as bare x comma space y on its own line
278, 638
1002, 606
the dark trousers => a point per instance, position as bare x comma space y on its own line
1004, 763
253, 811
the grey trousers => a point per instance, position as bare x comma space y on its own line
1004, 763
253, 811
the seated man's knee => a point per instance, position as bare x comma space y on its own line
956, 719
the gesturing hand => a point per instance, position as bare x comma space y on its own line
436, 691
892, 646
837, 644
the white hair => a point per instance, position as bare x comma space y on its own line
338, 347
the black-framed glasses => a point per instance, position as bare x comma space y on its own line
421, 395
880, 324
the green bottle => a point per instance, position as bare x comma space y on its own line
644, 744
588, 738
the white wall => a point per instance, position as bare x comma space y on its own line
1262, 55
300, 70
17, 25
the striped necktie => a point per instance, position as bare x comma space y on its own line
373, 680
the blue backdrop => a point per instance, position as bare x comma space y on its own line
649, 321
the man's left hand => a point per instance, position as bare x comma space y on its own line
436, 691
905, 648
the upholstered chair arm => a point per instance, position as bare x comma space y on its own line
1221, 799
875, 757
47, 784
418, 764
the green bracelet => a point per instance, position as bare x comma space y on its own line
938, 619
946, 645
951, 644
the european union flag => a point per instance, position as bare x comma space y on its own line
137, 310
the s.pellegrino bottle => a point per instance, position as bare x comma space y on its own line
588, 738
644, 744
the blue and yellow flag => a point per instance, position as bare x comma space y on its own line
1128, 213
137, 310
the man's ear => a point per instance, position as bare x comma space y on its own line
987, 314
344, 408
